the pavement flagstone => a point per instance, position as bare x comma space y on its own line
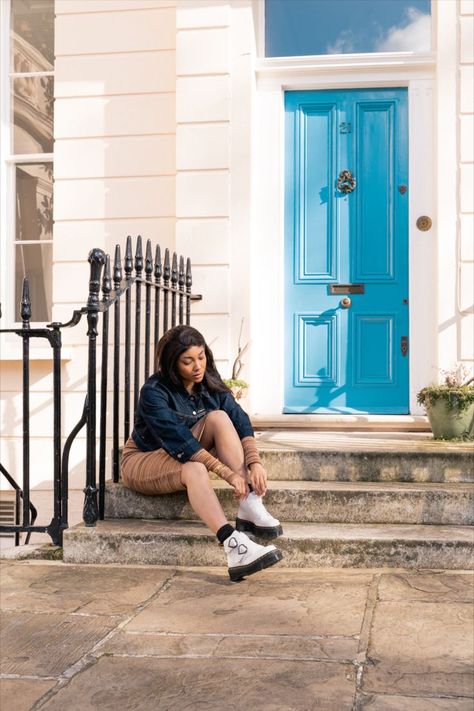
83, 637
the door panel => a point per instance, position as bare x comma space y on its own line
316, 243
374, 209
346, 356
373, 336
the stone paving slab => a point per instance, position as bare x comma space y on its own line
322, 605
422, 648
46, 644
53, 588
21, 694
390, 702
174, 638
427, 587
162, 684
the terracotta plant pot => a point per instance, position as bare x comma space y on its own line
450, 423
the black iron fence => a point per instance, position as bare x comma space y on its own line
137, 298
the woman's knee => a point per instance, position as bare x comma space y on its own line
218, 418
195, 471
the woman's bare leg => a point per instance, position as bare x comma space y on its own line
220, 434
202, 496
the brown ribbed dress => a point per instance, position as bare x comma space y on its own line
157, 472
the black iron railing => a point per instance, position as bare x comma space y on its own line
138, 295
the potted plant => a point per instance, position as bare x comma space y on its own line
238, 386
450, 405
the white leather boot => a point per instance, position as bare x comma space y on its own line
253, 517
245, 557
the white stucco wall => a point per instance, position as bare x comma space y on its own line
455, 186
213, 154
465, 204
115, 163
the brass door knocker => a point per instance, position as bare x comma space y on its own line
346, 182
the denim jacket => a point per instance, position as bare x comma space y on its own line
165, 415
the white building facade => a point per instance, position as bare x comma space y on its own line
169, 122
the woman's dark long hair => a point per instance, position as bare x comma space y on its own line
172, 344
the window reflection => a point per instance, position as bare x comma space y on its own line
31, 128
32, 27
32, 115
34, 202
35, 262
311, 27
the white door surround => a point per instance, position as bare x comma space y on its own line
274, 77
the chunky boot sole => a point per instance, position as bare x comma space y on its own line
267, 532
270, 558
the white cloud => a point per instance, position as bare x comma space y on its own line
414, 36
344, 43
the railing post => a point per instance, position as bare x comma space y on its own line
116, 394
128, 266
96, 260
138, 313
25, 313
174, 286
148, 275
158, 272
189, 283
181, 284
166, 289
106, 289
60, 516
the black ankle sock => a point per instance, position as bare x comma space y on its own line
224, 532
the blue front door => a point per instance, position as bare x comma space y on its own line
346, 251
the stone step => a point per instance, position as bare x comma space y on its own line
364, 456
334, 423
323, 502
359, 456
189, 543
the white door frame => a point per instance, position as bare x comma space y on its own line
274, 77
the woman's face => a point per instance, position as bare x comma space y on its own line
192, 366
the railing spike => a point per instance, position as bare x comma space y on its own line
189, 276
106, 280
25, 308
174, 270
166, 270
148, 260
128, 263
158, 266
117, 267
181, 277
139, 255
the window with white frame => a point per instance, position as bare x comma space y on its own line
28, 98
319, 27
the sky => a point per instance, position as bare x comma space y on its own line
305, 27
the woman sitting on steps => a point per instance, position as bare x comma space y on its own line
185, 416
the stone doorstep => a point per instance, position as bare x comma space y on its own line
188, 543
314, 501
358, 422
